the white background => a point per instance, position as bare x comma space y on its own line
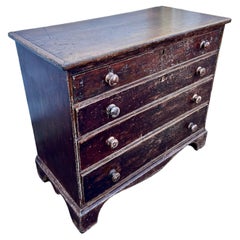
196, 196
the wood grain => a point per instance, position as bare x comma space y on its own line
49, 106
156, 59
155, 53
95, 149
99, 180
98, 39
92, 116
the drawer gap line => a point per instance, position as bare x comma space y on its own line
89, 135
141, 81
141, 139
142, 171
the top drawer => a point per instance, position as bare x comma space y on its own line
167, 54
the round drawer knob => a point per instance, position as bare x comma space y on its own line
113, 110
204, 44
112, 79
115, 176
201, 71
193, 127
196, 98
112, 142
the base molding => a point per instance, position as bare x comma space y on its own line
86, 216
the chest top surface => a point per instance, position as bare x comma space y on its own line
77, 43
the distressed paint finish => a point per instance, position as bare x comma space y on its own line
93, 115
95, 148
97, 181
164, 55
88, 43
155, 53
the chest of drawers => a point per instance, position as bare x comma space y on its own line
113, 99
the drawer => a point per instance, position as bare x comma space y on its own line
166, 54
95, 115
124, 133
106, 176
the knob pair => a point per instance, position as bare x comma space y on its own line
113, 111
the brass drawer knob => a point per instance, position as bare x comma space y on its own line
112, 142
193, 127
113, 110
204, 44
112, 79
201, 71
115, 176
196, 98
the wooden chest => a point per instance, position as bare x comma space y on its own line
113, 99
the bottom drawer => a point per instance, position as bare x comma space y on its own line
106, 176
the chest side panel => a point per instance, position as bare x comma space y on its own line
48, 101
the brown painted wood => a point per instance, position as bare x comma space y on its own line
155, 53
98, 39
87, 216
48, 101
93, 116
95, 149
154, 60
99, 180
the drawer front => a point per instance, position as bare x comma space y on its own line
165, 55
96, 148
95, 115
102, 179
